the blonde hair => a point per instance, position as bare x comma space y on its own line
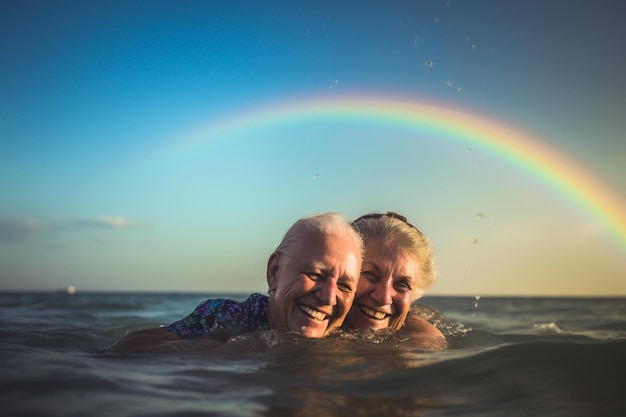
392, 229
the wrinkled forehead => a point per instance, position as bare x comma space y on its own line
330, 250
388, 248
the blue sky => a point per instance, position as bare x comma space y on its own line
94, 97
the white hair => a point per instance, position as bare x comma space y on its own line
329, 224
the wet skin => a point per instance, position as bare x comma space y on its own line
313, 288
388, 284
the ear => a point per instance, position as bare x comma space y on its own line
272, 271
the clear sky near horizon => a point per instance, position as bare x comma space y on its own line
167, 146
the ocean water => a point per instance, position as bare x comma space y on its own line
507, 357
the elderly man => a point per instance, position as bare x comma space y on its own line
312, 278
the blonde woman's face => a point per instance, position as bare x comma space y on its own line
388, 284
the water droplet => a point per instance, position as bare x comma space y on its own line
429, 63
416, 41
476, 302
460, 89
480, 216
468, 149
449, 83
316, 176
475, 241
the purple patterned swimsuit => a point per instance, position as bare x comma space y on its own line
221, 318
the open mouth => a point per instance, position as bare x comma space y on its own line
314, 314
371, 313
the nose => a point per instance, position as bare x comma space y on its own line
328, 292
383, 293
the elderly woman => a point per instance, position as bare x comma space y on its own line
397, 269
312, 278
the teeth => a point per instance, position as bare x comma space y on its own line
373, 313
317, 315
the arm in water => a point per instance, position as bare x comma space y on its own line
210, 324
159, 340
141, 340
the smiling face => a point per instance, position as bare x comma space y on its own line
313, 288
388, 284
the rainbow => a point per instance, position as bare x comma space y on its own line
504, 141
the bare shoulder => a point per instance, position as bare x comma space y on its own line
422, 334
417, 324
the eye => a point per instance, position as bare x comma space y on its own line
369, 275
345, 286
315, 276
403, 286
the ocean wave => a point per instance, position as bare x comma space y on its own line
517, 360
327, 377
535, 378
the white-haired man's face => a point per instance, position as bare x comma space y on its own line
314, 287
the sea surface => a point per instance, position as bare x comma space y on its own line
507, 357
